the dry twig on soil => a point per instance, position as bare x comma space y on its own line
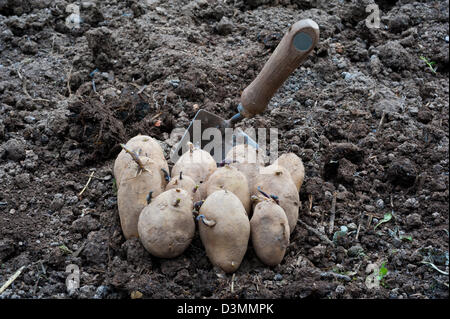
11, 279
87, 184
381, 122
232, 283
321, 236
361, 218
333, 213
68, 81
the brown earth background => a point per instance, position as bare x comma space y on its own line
366, 114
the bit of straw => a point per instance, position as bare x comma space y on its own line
232, 283
87, 184
381, 122
11, 279
156, 116
434, 267
359, 225
333, 214
68, 80
24, 88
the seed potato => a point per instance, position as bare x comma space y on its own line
248, 161
186, 183
294, 165
142, 145
136, 185
224, 230
276, 180
195, 163
229, 178
270, 231
166, 226
244, 153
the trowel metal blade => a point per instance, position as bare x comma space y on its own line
215, 138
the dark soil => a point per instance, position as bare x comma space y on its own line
368, 117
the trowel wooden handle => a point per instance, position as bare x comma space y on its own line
290, 53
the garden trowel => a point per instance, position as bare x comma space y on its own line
217, 135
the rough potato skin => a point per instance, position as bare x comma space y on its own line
269, 228
229, 178
244, 153
197, 164
248, 161
133, 192
186, 183
225, 242
294, 165
251, 172
166, 226
143, 145
276, 180
202, 191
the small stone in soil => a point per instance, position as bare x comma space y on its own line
355, 251
380, 203
340, 289
413, 220
225, 26
15, 150
411, 203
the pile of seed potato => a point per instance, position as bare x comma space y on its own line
232, 202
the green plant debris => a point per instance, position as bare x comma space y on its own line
114, 186
65, 250
340, 271
387, 217
382, 272
402, 237
429, 63
398, 234
340, 233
